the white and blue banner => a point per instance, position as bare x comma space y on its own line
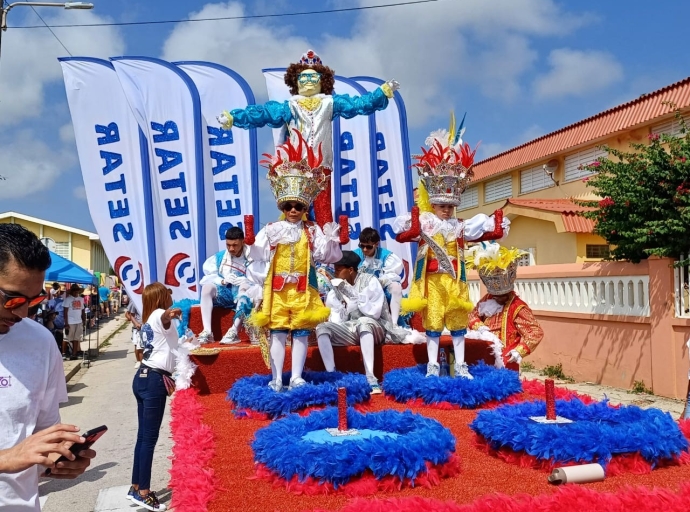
394, 172
232, 154
115, 169
165, 103
354, 180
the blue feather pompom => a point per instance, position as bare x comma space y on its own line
598, 432
321, 389
281, 448
186, 306
489, 384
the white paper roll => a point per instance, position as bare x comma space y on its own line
577, 474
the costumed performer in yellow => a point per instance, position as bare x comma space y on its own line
312, 107
500, 314
439, 290
291, 247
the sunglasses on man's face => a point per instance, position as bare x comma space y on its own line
306, 78
293, 206
11, 301
366, 246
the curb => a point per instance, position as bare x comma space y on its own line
72, 372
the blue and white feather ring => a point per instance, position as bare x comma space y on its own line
252, 393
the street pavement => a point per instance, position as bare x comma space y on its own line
98, 395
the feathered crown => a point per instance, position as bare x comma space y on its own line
445, 168
310, 58
495, 264
294, 177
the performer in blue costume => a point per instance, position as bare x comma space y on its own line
312, 107
225, 284
385, 265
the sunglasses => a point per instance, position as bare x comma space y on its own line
306, 78
293, 206
366, 246
10, 301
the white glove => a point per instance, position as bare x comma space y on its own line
393, 84
515, 357
506, 226
483, 328
224, 120
331, 230
236, 280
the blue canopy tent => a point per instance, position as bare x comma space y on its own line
65, 271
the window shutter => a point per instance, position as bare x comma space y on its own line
469, 199
498, 189
534, 179
581, 158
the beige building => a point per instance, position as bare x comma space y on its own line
81, 247
535, 183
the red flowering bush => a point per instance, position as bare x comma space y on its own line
645, 205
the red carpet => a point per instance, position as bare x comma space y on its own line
481, 474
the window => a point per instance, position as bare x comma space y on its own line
62, 249
534, 179
581, 158
469, 199
528, 258
597, 251
670, 127
498, 189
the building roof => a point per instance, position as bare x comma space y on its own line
646, 108
6, 215
570, 212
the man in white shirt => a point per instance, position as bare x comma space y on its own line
32, 382
75, 317
225, 285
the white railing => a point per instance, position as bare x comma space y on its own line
681, 286
475, 292
613, 295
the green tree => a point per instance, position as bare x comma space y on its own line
645, 208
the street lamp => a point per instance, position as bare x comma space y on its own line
64, 5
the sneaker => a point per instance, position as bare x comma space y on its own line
137, 365
461, 370
132, 491
230, 337
149, 502
376, 389
205, 337
297, 382
432, 369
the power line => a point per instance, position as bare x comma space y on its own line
225, 18
51, 30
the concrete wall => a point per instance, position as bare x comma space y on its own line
551, 246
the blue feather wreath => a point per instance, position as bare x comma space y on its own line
280, 446
321, 389
598, 432
489, 383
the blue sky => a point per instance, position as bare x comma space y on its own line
520, 68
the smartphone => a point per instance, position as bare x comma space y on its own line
91, 437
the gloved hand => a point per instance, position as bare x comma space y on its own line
393, 84
483, 328
236, 280
515, 357
225, 120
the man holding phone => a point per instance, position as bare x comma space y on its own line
32, 382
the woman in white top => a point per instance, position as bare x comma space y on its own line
151, 386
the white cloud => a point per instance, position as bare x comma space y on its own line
577, 73
67, 133
80, 192
428, 48
29, 58
29, 165
489, 149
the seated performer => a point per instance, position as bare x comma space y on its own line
290, 248
225, 285
439, 291
359, 316
385, 265
501, 311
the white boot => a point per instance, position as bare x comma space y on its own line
205, 337
230, 337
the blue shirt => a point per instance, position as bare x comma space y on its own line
103, 293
